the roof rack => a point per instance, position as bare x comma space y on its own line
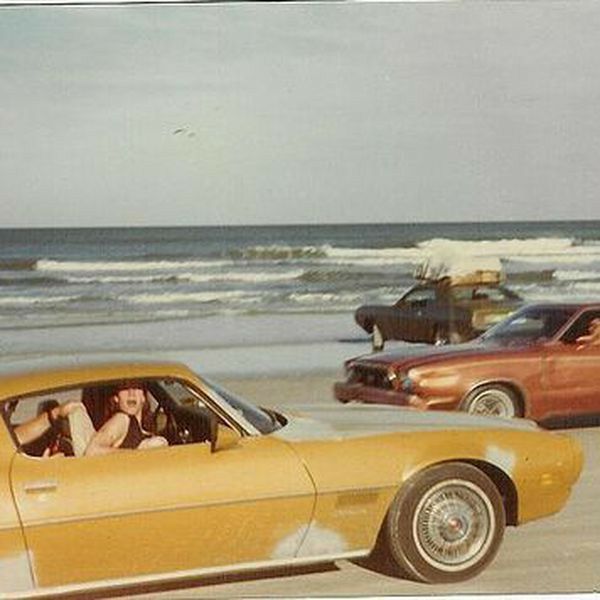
470, 270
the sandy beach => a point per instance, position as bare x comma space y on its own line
287, 392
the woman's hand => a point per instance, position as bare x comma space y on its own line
156, 441
64, 410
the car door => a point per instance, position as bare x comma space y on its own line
15, 571
413, 316
181, 508
572, 371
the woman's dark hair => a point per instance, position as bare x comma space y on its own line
99, 404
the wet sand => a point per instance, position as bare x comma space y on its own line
558, 554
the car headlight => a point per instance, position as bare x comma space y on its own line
392, 377
400, 381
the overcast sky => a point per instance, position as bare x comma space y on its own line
298, 113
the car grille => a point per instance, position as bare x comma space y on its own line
370, 376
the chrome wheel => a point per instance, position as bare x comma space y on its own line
445, 524
493, 401
453, 525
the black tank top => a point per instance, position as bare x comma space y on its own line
134, 435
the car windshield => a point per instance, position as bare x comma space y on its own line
264, 421
529, 325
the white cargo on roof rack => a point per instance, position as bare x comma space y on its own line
467, 270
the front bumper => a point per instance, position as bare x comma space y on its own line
357, 392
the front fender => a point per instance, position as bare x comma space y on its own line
452, 383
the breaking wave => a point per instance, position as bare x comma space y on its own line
227, 276
571, 292
248, 276
331, 275
184, 297
574, 275
279, 252
33, 300
557, 250
502, 248
132, 266
330, 299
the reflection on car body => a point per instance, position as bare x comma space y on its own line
528, 365
239, 487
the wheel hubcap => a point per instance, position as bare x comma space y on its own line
453, 525
494, 403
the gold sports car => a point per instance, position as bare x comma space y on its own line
240, 487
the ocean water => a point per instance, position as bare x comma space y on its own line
227, 286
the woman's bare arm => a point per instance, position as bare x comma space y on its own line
34, 428
109, 436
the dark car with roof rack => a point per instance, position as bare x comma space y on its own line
452, 302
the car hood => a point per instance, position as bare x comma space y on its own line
355, 420
419, 353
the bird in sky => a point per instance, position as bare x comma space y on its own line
184, 130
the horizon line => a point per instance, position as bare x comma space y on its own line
280, 225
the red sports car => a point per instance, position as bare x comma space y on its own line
529, 365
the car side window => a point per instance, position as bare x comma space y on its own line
65, 422
38, 424
496, 294
526, 326
580, 327
420, 296
479, 293
461, 293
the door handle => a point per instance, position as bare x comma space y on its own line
38, 487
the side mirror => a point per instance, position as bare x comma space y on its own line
221, 436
